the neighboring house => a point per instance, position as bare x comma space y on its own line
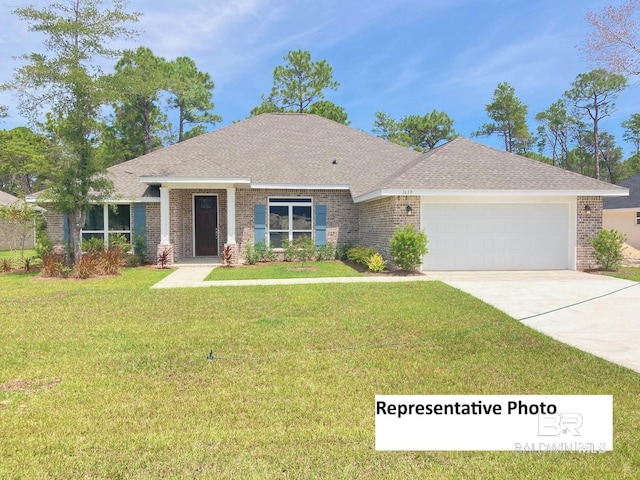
278, 176
13, 235
623, 213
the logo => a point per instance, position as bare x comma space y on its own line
559, 424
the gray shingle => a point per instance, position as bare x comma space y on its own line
632, 201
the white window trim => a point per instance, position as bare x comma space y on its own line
291, 202
105, 225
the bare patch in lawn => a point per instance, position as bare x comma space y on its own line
19, 385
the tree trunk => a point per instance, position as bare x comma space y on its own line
76, 223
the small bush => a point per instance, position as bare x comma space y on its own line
265, 252
140, 248
342, 250
305, 249
132, 261
376, 263
93, 245
227, 256
87, 266
43, 246
119, 241
361, 255
110, 261
608, 249
53, 264
163, 257
407, 247
250, 254
325, 252
6, 265
288, 250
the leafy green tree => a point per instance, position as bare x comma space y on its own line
592, 95
298, 84
385, 126
138, 125
69, 83
26, 161
422, 133
509, 120
554, 133
192, 91
632, 131
330, 110
611, 165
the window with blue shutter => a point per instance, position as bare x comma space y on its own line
260, 223
321, 225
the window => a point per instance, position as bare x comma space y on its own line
289, 219
637, 218
105, 220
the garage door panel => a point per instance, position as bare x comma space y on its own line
496, 236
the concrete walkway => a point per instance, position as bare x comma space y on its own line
595, 313
186, 277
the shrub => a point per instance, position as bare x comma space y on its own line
6, 264
361, 255
265, 252
163, 257
288, 250
325, 252
132, 261
407, 247
110, 261
250, 254
93, 245
52, 264
119, 241
227, 256
376, 263
342, 250
140, 248
87, 266
608, 249
43, 246
305, 249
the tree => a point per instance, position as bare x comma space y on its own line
192, 92
25, 161
67, 81
614, 42
385, 126
423, 133
610, 158
509, 120
138, 125
554, 133
297, 84
4, 111
632, 131
330, 110
593, 94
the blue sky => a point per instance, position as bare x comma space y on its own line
401, 57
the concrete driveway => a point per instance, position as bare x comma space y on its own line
595, 313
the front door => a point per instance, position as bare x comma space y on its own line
205, 208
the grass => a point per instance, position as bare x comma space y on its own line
107, 378
284, 270
17, 258
628, 273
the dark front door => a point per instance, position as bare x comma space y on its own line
206, 225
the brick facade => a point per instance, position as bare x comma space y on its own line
14, 236
588, 226
379, 218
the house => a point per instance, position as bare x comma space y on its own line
15, 236
623, 213
283, 176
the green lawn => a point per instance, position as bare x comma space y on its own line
284, 270
17, 258
628, 273
106, 378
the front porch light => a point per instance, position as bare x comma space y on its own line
587, 210
409, 211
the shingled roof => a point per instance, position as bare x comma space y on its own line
304, 149
7, 199
632, 201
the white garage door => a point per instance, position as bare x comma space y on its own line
496, 236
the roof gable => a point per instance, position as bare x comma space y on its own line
7, 198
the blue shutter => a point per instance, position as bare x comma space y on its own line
260, 223
65, 226
321, 225
139, 220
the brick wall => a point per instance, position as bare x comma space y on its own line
588, 226
152, 230
379, 218
342, 213
55, 227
